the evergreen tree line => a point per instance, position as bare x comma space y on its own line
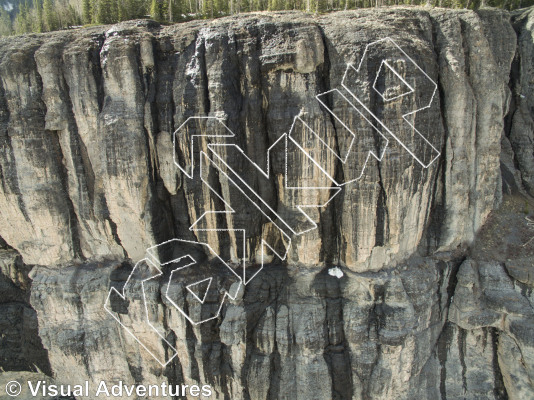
51, 15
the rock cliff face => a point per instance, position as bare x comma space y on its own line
416, 282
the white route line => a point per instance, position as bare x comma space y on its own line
203, 158
398, 76
107, 307
226, 292
335, 190
343, 161
190, 175
237, 181
188, 287
343, 83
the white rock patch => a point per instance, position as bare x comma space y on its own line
335, 272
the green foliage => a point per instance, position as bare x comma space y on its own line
48, 15
22, 22
6, 27
107, 12
36, 19
87, 11
155, 10
174, 10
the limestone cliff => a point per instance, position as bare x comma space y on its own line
416, 282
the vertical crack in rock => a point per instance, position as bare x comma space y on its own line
444, 342
374, 325
521, 122
453, 280
161, 63
436, 216
336, 351
174, 373
148, 78
95, 66
8, 166
192, 341
275, 367
499, 389
331, 231
201, 54
166, 70
67, 145
221, 222
473, 206
462, 350
161, 211
445, 338
382, 215
510, 166
74, 224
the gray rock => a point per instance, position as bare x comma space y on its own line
20, 345
522, 125
434, 298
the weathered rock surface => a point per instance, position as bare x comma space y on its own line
427, 305
521, 131
20, 346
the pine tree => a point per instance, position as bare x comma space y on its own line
23, 22
6, 27
38, 19
207, 8
155, 10
48, 15
170, 11
221, 6
87, 17
138, 8
321, 6
107, 12
50, 18
19, 20
122, 14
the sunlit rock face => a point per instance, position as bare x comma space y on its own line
396, 291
